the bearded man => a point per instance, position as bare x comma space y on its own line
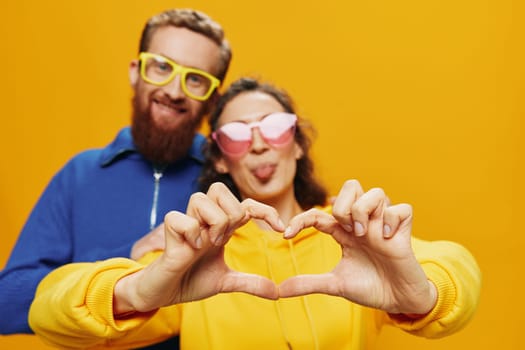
108, 202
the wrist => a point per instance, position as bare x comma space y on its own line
432, 301
122, 300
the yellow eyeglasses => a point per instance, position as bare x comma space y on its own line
159, 70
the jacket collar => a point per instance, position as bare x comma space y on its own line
123, 144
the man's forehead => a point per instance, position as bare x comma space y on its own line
186, 47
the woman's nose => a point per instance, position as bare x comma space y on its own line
258, 144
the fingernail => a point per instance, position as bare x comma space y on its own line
219, 239
386, 231
348, 227
198, 242
287, 232
280, 223
359, 229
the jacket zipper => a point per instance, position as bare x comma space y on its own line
157, 174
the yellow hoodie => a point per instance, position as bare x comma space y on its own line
73, 305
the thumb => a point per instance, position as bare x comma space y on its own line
308, 284
260, 286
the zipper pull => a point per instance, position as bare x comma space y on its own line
157, 175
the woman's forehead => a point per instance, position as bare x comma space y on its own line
249, 106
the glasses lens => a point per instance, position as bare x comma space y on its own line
157, 69
233, 139
278, 129
197, 83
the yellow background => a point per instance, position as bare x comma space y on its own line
422, 98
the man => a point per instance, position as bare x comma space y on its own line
104, 201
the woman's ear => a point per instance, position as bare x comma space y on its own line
134, 72
298, 151
220, 166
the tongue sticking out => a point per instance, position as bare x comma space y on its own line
264, 172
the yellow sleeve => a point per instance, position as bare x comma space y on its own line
73, 308
457, 277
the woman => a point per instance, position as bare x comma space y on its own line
310, 290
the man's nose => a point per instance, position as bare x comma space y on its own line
174, 88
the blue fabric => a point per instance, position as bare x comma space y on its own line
94, 208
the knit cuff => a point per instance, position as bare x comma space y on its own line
99, 296
446, 298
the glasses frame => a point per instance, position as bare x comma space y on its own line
251, 126
177, 69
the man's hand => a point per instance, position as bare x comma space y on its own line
153, 241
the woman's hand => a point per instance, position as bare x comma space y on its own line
192, 266
378, 267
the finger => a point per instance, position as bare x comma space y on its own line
308, 284
387, 201
310, 218
257, 210
250, 283
179, 227
369, 209
395, 216
220, 194
319, 219
211, 217
342, 207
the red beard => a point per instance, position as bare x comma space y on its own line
160, 145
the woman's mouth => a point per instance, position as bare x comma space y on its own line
264, 172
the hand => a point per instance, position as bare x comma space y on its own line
150, 242
378, 267
192, 266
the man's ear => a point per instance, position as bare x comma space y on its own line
220, 166
134, 74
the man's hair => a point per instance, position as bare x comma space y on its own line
195, 21
308, 190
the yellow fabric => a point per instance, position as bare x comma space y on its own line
73, 305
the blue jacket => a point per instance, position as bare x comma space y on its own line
94, 208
